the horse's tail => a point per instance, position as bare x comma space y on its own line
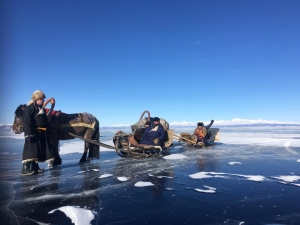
95, 149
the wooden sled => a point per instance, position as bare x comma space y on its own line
127, 146
191, 140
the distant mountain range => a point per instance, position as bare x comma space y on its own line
124, 127
5, 128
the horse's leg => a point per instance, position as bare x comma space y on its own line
86, 147
94, 149
57, 159
55, 148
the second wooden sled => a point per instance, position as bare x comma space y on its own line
191, 140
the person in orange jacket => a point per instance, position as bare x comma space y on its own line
201, 132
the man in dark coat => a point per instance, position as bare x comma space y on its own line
37, 147
154, 135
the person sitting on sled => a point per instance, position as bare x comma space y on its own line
201, 132
155, 135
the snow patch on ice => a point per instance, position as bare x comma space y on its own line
255, 178
105, 175
123, 178
251, 177
296, 184
202, 175
288, 178
143, 184
111, 143
233, 163
209, 190
298, 160
78, 216
205, 191
165, 177
175, 156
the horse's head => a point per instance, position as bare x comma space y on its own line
18, 121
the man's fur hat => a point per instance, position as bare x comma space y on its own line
36, 95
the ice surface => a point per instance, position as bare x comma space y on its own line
11, 134
78, 147
71, 147
265, 158
143, 184
77, 215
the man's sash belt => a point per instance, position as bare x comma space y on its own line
41, 128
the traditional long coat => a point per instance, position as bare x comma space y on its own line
151, 133
36, 126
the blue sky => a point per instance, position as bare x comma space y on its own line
182, 60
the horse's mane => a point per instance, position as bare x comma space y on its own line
19, 111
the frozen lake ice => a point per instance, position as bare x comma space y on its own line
251, 176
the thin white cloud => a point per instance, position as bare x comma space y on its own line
184, 123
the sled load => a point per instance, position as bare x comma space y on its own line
128, 145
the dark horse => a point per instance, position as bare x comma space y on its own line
84, 125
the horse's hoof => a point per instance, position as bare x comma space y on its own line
57, 162
89, 159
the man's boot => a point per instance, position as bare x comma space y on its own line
27, 169
37, 168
